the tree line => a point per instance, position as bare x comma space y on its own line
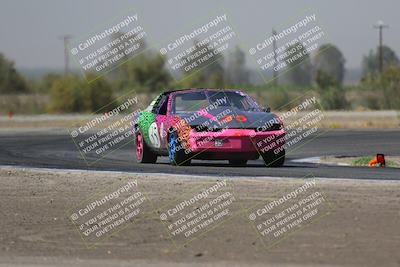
323, 71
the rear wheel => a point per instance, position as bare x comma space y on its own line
143, 152
176, 153
238, 162
274, 160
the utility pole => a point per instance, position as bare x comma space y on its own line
66, 39
275, 72
380, 26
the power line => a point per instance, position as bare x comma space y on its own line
66, 39
380, 26
275, 72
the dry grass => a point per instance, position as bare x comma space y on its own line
332, 119
23, 104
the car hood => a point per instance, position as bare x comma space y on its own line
214, 118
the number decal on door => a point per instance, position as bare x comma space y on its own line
154, 136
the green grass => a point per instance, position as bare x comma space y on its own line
363, 161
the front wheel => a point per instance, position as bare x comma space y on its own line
274, 160
176, 152
143, 152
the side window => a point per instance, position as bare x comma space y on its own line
161, 107
156, 103
162, 110
153, 105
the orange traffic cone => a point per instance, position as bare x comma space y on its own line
372, 163
379, 161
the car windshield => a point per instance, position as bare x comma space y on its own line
194, 101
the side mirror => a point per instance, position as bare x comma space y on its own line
268, 109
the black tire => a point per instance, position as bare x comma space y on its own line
176, 153
238, 162
274, 160
147, 156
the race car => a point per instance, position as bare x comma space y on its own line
208, 124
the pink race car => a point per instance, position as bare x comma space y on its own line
208, 124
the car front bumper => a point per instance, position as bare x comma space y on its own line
236, 140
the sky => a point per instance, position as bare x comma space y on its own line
30, 30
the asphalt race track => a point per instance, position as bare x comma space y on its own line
58, 151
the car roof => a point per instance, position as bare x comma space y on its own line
199, 89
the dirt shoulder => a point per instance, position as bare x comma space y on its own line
360, 228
